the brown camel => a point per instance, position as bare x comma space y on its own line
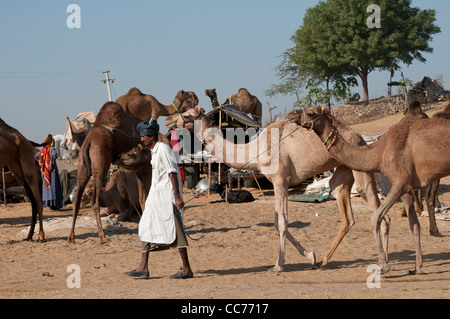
294, 156
113, 133
413, 113
246, 102
146, 106
121, 194
445, 114
410, 155
211, 93
17, 153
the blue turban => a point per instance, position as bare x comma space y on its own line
148, 128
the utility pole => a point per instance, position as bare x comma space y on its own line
108, 84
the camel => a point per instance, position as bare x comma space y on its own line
113, 133
211, 93
413, 113
410, 155
246, 102
444, 114
121, 194
146, 106
294, 156
17, 153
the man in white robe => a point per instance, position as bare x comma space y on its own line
160, 226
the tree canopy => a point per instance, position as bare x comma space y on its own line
338, 38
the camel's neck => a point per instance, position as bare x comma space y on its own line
171, 109
214, 102
233, 155
358, 158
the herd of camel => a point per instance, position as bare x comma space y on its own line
413, 154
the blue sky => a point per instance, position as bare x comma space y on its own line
48, 71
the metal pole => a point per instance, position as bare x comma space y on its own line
107, 81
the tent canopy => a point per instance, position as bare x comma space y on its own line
234, 112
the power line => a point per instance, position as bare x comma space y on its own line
45, 74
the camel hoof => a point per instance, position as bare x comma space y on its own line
384, 269
436, 234
322, 264
312, 257
420, 272
277, 268
413, 272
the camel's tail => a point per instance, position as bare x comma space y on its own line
86, 159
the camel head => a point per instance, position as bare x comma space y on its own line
211, 93
186, 119
414, 111
136, 157
186, 99
190, 102
182, 96
313, 118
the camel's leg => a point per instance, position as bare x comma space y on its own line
281, 222
377, 219
30, 183
281, 225
343, 178
37, 207
141, 187
415, 229
98, 182
83, 179
430, 198
417, 194
367, 183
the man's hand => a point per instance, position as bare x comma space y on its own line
178, 201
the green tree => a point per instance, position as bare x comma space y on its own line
310, 88
337, 40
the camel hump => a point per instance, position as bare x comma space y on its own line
134, 90
108, 114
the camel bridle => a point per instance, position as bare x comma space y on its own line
310, 121
173, 104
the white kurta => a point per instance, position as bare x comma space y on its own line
157, 224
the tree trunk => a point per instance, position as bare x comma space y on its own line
328, 92
364, 75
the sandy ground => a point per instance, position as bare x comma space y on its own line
232, 260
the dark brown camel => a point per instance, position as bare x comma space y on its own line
146, 106
246, 102
211, 93
17, 153
113, 133
409, 155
